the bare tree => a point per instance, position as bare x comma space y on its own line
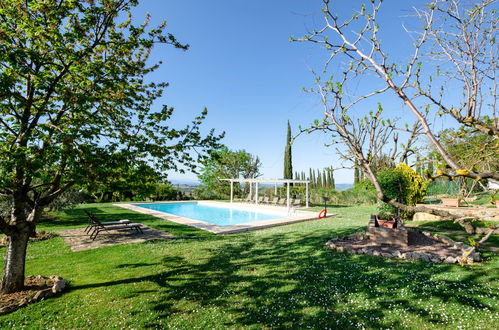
454, 49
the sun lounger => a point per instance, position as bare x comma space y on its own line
98, 227
127, 226
93, 222
297, 202
266, 200
282, 202
275, 200
260, 199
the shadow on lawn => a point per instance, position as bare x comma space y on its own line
289, 280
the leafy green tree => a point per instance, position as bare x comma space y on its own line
288, 160
227, 164
73, 80
118, 178
165, 191
463, 142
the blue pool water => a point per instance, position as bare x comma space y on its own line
222, 216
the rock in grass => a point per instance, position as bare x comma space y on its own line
450, 260
59, 285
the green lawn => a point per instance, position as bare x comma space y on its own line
278, 277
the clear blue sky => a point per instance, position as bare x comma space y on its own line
242, 67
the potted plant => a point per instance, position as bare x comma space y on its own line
384, 220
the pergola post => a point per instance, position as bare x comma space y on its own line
231, 190
275, 188
251, 190
287, 198
306, 194
256, 193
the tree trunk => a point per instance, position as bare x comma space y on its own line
15, 259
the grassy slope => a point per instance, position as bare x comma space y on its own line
279, 277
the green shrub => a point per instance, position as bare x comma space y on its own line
364, 185
344, 197
393, 183
165, 192
357, 197
402, 184
416, 185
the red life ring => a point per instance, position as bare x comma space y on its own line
322, 214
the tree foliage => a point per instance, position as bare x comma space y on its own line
227, 164
118, 179
463, 142
404, 185
75, 102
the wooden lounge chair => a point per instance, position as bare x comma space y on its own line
94, 222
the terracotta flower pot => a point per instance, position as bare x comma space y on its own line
386, 223
452, 202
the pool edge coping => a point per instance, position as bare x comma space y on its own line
216, 229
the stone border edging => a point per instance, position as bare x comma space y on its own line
468, 255
59, 285
218, 229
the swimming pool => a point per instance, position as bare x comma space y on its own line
221, 216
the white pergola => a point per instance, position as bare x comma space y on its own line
274, 181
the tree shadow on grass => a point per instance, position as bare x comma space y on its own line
290, 280
135, 265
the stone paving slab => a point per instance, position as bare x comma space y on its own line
78, 240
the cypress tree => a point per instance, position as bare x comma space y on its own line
288, 164
333, 186
319, 179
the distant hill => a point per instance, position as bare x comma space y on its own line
184, 183
343, 186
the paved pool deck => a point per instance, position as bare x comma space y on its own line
295, 216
